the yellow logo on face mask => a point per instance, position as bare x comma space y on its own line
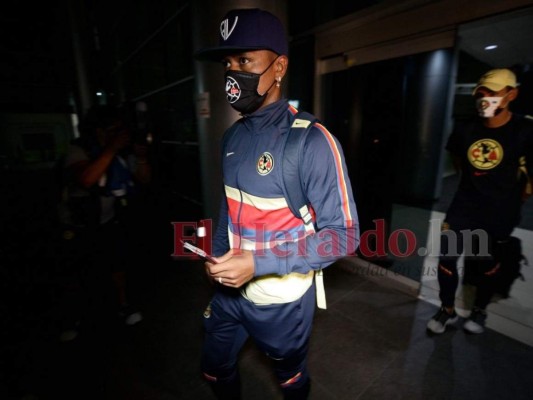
485, 154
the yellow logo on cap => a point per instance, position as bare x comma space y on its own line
485, 154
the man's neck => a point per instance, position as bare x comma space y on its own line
498, 120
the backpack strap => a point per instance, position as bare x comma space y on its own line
292, 159
293, 189
526, 127
528, 185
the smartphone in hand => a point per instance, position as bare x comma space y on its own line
198, 251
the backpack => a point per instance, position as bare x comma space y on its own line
509, 254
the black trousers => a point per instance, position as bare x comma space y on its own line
481, 266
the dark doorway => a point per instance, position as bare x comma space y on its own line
364, 109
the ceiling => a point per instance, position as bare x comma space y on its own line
512, 33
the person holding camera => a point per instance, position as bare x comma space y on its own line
102, 171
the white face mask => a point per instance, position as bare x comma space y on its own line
487, 106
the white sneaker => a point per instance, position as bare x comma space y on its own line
133, 319
476, 321
130, 315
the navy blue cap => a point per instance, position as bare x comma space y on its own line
247, 29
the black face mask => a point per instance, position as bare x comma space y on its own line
241, 90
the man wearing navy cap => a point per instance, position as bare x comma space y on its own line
488, 151
268, 257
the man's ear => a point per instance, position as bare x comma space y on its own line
513, 94
281, 65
